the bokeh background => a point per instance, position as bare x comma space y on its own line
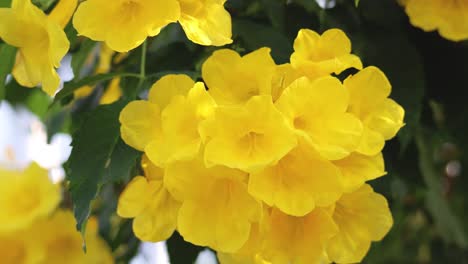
426, 184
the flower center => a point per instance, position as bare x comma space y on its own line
130, 7
300, 123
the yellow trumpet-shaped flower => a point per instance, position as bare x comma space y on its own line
180, 119
284, 75
112, 93
248, 137
362, 217
63, 12
217, 211
298, 240
449, 17
357, 169
147, 200
206, 22
382, 117
25, 196
250, 252
141, 120
61, 243
19, 247
298, 182
40, 40
166, 126
318, 56
105, 59
140, 123
124, 24
54, 240
234, 259
317, 112
232, 79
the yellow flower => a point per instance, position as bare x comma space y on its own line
40, 40
284, 75
19, 247
140, 123
25, 196
248, 137
180, 119
112, 93
217, 211
317, 112
382, 117
232, 79
83, 92
298, 182
249, 253
362, 217
166, 126
105, 59
61, 243
63, 11
235, 259
141, 120
298, 240
449, 17
206, 22
318, 56
357, 169
147, 200
124, 24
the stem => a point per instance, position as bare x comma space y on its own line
132, 75
142, 65
2, 89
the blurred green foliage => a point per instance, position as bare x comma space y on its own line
426, 182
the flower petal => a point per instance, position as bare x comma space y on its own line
208, 25
140, 124
362, 216
166, 88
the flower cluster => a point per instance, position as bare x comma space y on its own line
449, 17
40, 39
33, 230
122, 25
267, 163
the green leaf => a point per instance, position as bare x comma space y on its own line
79, 58
383, 13
257, 35
275, 10
7, 58
38, 102
122, 161
447, 222
180, 251
93, 144
43, 4
356, 2
72, 86
5, 3
310, 6
72, 35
